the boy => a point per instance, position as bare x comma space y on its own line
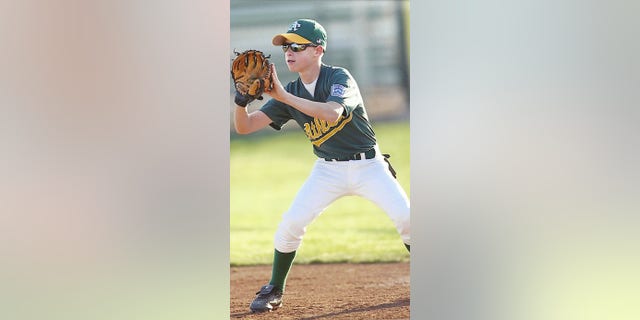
326, 102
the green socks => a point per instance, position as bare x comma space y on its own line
281, 265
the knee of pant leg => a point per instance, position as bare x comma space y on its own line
405, 232
403, 225
285, 243
289, 235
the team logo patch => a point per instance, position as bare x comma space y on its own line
338, 90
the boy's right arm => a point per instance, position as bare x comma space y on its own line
246, 122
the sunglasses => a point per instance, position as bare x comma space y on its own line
296, 47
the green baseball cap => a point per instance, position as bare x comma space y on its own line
303, 31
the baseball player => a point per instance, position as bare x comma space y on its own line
326, 103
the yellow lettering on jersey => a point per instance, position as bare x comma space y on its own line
314, 131
307, 130
324, 126
318, 131
317, 123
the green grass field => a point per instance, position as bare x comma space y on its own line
266, 171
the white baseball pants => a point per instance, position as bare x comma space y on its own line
330, 180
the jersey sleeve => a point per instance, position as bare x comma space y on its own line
343, 89
277, 112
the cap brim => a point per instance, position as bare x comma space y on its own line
283, 38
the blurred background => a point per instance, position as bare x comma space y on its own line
114, 201
370, 38
109, 160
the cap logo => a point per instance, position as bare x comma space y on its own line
294, 26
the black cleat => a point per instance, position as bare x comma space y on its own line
269, 298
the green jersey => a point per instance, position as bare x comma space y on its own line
350, 134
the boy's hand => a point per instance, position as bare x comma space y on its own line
277, 90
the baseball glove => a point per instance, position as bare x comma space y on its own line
251, 73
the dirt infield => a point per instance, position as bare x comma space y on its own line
328, 291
